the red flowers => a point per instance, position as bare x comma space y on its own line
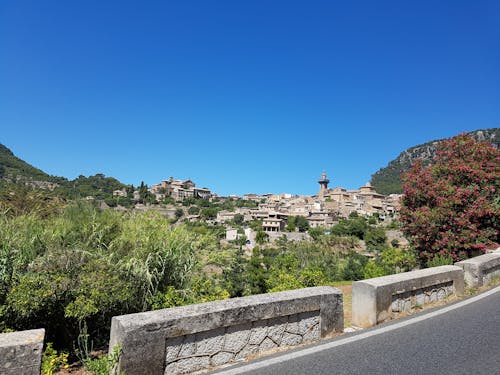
452, 206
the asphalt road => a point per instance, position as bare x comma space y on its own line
463, 338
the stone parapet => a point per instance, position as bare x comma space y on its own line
376, 300
191, 338
478, 271
21, 352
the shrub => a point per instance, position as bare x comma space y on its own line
52, 361
452, 206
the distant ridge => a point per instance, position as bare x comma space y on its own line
387, 180
15, 171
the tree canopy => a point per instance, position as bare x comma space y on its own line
452, 207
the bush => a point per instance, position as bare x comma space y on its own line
104, 364
354, 226
87, 265
52, 361
193, 210
452, 206
390, 261
440, 260
354, 266
375, 239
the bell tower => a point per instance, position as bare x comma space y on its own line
323, 184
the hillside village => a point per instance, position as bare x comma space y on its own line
183, 201
272, 211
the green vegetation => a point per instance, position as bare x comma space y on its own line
70, 267
375, 239
52, 361
354, 226
299, 223
98, 186
14, 171
327, 259
86, 265
389, 261
100, 364
104, 364
11, 167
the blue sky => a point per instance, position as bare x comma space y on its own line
255, 96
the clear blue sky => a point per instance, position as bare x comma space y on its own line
242, 96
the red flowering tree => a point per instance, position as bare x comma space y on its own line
452, 207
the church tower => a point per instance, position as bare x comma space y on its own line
323, 184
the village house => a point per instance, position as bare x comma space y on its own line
120, 193
271, 224
225, 216
179, 190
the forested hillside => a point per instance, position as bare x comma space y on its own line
387, 180
14, 171
11, 167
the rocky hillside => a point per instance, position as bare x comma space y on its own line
387, 180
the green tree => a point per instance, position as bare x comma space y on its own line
209, 213
291, 227
256, 274
256, 225
354, 226
193, 210
189, 201
390, 261
234, 276
301, 223
452, 207
168, 200
297, 222
145, 196
375, 239
316, 233
261, 237
179, 212
354, 266
238, 219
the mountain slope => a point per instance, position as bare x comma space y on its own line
387, 180
14, 169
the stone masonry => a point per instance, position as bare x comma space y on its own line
190, 338
376, 300
481, 270
190, 353
21, 352
410, 300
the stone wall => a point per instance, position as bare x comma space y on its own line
480, 270
191, 338
189, 353
410, 300
21, 352
376, 300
